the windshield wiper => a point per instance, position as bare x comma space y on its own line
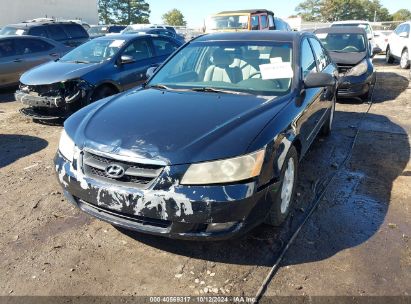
159, 86
215, 90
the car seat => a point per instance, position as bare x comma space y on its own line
220, 70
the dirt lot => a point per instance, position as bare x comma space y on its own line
357, 241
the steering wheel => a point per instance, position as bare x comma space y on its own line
278, 83
350, 48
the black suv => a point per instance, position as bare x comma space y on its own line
69, 33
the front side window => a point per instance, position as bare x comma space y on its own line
407, 29
320, 54
30, 46
253, 67
343, 42
234, 22
308, 64
75, 31
138, 50
255, 25
264, 21
94, 51
271, 22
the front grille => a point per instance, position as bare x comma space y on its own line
42, 90
342, 69
137, 175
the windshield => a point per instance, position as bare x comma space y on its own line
8, 30
94, 51
227, 22
259, 68
97, 30
365, 26
339, 42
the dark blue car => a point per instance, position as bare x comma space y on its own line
99, 68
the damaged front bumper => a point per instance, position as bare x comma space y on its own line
355, 86
166, 208
58, 98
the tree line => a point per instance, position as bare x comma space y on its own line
132, 12
337, 10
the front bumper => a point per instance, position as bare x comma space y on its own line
355, 86
33, 100
175, 211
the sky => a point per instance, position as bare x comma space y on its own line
195, 11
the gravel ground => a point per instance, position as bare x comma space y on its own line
356, 242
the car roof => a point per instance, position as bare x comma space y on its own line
127, 37
253, 36
31, 24
249, 11
342, 30
351, 22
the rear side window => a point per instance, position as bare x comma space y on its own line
320, 54
30, 46
163, 46
75, 31
7, 48
407, 29
307, 59
138, 50
264, 21
254, 23
56, 32
38, 31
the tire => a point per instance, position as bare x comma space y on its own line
327, 127
102, 92
284, 198
388, 57
405, 60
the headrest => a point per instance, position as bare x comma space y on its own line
222, 58
251, 54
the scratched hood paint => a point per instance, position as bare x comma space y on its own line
56, 71
175, 127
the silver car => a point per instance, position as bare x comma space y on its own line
21, 53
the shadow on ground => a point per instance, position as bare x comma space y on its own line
14, 147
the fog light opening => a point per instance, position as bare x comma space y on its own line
218, 227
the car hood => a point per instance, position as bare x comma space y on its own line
56, 71
173, 127
351, 58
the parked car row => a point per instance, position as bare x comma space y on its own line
399, 45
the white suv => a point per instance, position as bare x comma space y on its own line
399, 45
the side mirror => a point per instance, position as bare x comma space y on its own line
403, 35
125, 59
150, 71
370, 36
318, 80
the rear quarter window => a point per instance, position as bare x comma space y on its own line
38, 31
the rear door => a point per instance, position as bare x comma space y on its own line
10, 67
35, 51
133, 74
395, 41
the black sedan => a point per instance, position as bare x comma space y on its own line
99, 68
209, 147
351, 50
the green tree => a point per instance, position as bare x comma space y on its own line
309, 10
131, 11
106, 11
402, 15
174, 18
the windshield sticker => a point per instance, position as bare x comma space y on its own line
276, 60
19, 32
117, 43
322, 35
278, 70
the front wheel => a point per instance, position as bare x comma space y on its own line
102, 92
388, 56
285, 196
405, 60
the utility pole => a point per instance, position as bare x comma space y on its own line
375, 15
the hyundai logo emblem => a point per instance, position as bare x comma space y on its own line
115, 171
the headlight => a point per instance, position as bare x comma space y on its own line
66, 146
359, 69
225, 171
